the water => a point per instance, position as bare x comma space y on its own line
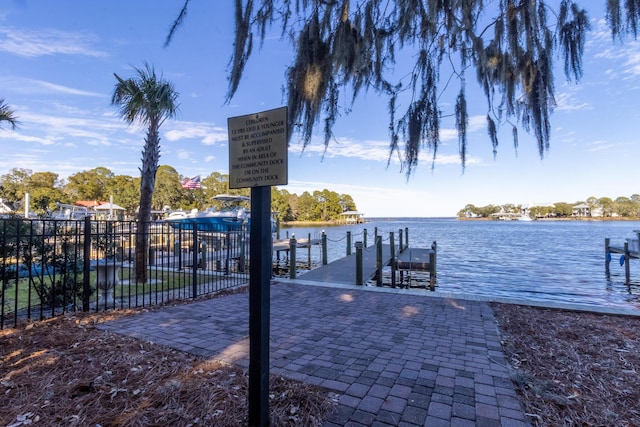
542, 261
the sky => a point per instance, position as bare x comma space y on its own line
57, 65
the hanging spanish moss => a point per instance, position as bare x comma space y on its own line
351, 44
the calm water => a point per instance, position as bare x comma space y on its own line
561, 261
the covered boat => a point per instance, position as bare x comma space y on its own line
230, 217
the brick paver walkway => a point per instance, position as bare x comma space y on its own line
395, 359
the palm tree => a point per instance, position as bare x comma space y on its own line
7, 115
148, 100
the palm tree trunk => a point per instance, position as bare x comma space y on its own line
150, 158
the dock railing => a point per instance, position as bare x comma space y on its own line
630, 250
403, 265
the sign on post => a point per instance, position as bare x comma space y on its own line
258, 159
258, 149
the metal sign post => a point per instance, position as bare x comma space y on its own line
258, 159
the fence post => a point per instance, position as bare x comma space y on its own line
392, 243
180, 249
400, 246
217, 247
348, 243
243, 251
194, 262
359, 263
364, 239
292, 257
324, 248
203, 255
379, 261
227, 240
309, 251
86, 284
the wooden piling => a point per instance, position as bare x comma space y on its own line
324, 248
292, 258
359, 266
379, 261
393, 259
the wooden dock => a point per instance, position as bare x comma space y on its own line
343, 270
417, 259
285, 244
407, 263
629, 251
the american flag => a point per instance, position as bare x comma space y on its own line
191, 183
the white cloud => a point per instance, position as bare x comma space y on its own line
207, 133
626, 53
41, 87
46, 42
566, 101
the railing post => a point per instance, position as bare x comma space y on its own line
292, 257
375, 233
627, 271
379, 261
400, 247
359, 263
324, 248
607, 256
309, 251
348, 243
406, 237
392, 243
432, 266
364, 238
86, 249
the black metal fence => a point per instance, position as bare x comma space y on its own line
49, 267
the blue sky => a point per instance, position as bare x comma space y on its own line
58, 59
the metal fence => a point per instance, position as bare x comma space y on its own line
49, 267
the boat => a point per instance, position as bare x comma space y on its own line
70, 212
231, 216
525, 218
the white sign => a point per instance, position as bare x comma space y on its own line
258, 155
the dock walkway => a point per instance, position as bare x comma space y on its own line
343, 270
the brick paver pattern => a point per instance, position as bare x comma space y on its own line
394, 359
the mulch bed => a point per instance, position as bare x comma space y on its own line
573, 368
65, 371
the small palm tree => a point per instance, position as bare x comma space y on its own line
7, 115
148, 100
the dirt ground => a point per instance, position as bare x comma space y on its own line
569, 368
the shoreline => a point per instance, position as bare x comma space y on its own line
293, 224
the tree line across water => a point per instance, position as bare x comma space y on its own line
46, 189
622, 206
